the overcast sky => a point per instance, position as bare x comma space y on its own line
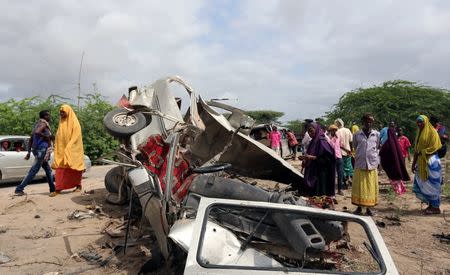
293, 56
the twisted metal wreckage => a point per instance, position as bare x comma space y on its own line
186, 172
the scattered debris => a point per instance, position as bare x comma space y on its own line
75, 257
443, 238
4, 258
90, 192
37, 216
90, 256
114, 230
3, 229
81, 215
52, 273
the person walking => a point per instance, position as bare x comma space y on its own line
346, 138
404, 143
365, 180
427, 166
319, 164
393, 163
336, 143
274, 138
293, 143
68, 152
39, 143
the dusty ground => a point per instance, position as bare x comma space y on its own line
50, 242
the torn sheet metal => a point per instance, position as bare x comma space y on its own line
247, 156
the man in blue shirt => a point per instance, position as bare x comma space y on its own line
39, 143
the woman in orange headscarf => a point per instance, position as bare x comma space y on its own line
69, 154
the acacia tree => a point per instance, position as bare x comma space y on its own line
265, 116
400, 101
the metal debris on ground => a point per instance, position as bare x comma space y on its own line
4, 258
443, 238
81, 215
90, 256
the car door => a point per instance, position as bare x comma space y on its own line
17, 166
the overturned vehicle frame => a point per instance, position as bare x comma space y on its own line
187, 174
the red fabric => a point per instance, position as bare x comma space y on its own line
291, 138
66, 178
404, 143
155, 152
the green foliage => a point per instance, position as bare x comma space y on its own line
400, 101
19, 116
295, 125
96, 140
265, 116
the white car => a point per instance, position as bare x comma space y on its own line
13, 165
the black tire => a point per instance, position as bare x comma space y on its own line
118, 128
113, 179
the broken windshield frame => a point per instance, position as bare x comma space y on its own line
326, 216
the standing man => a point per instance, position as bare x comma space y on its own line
346, 138
40, 141
365, 182
274, 138
293, 143
336, 143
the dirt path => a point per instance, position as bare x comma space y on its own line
50, 242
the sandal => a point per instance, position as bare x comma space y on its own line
432, 211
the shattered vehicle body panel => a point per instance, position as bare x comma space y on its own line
175, 164
247, 156
200, 260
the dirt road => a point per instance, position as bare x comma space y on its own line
38, 236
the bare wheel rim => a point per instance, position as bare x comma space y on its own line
124, 120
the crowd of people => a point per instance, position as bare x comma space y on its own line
333, 158
336, 157
67, 149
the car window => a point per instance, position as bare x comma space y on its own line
18, 145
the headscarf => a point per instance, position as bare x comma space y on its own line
355, 128
339, 122
392, 159
427, 143
318, 146
69, 151
333, 127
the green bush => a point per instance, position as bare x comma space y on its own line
19, 116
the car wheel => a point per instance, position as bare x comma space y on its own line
120, 123
113, 179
